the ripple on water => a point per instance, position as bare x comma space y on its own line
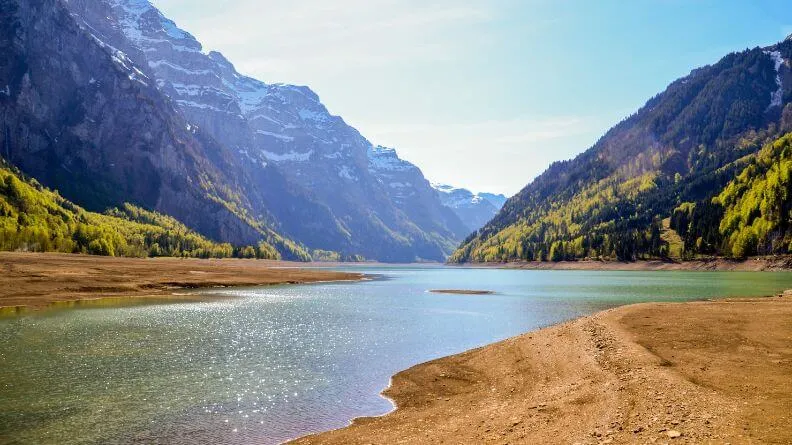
273, 363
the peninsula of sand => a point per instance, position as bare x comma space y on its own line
36, 280
699, 372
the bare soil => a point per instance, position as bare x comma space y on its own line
462, 291
700, 372
38, 280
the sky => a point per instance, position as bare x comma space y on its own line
480, 94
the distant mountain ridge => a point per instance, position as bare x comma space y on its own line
662, 169
285, 163
474, 210
496, 199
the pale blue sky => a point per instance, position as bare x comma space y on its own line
480, 94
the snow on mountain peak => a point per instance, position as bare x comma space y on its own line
221, 59
474, 210
443, 188
459, 197
142, 23
496, 199
456, 197
385, 159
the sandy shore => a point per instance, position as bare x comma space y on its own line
38, 280
701, 372
770, 263
461, 291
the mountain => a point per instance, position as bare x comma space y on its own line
495, 199
81, 118
474, 210
317, 179
679, 154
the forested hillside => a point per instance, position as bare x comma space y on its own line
750, 216
33, 218
678, 155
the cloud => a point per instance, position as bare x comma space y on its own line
281, 40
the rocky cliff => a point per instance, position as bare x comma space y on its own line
80, 116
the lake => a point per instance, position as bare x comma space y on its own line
262, 365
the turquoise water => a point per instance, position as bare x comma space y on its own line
278, 362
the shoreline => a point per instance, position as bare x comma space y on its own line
701, 371
754, 264
34, 281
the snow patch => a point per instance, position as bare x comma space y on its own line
157, 63
251, 93
457, 198
189, 103
97, 40
187, 90
776, 97
268, 118
121, 59
198, 90
386, 159
443, 188
172, 30
174, 46
280, 136
309, 115
291, 156
131, 19
134, 77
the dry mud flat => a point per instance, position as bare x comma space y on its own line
700, 372
38, 280
462, 291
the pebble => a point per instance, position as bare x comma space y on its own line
673, 434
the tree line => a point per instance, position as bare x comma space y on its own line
33, 218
